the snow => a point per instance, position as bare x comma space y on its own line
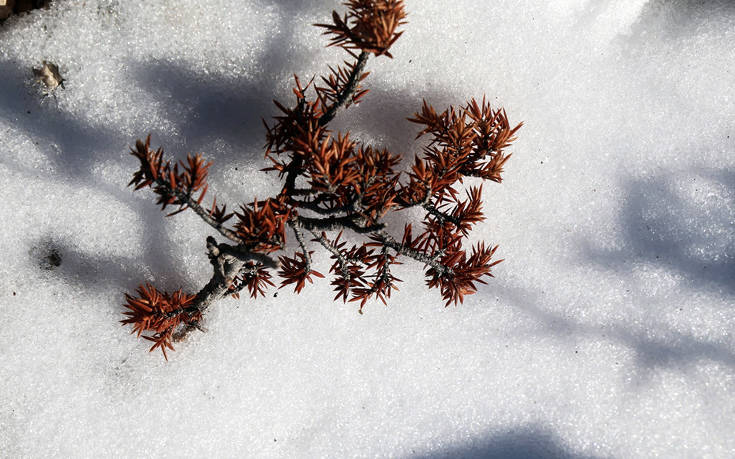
608, 330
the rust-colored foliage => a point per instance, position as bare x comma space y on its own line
160, 313
334, 183
369, 25
175, 184
262, 225
297, 270
253, 276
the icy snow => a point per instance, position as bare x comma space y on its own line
608, 330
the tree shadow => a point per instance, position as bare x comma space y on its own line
205, 108
671, 349
525, 442
62, 258
694, 238
679, 223
71, 146
681, 18
217, 109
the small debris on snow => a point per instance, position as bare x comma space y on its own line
49, 76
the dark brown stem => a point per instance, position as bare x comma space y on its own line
425, 203
244, 254
354, 222
441, 216
225, 267
295, 167
314, 207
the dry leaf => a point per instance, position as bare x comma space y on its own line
49, 76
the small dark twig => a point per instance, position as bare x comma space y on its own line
389, 241
192, 204
294, 224
341, 259
348, 91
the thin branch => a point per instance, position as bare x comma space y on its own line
425, 203
243, 254
199, 210
314, 207
341, 259
441, 216
354, 222
348, 90
225, 269
294, 168
401, 249
384, 275
300, 238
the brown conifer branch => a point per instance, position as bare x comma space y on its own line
225, 266
347, 186
441, 216
296, 227
353, 221
388, 240
243, 254
314, 207
425, 203
348, 91
341, 259
191, 203
294, 168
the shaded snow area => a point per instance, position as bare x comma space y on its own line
607, 331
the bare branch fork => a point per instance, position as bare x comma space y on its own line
342, 185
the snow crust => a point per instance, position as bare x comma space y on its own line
608, 330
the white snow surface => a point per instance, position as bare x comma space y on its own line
607, 331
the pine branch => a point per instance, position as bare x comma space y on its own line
353, 221
225, 267
300, 239
192, 204
295, 167
386, 239
166, 180
349, 90
347, 185
342, 260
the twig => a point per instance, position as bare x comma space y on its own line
300, 238
294, 168
341, 259
225, 268
388, 240
353, 221
194, 205
348, 90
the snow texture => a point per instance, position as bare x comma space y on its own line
607, 332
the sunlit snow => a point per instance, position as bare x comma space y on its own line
607, 331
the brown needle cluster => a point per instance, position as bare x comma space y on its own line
333, 183
369, 25
160, 313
